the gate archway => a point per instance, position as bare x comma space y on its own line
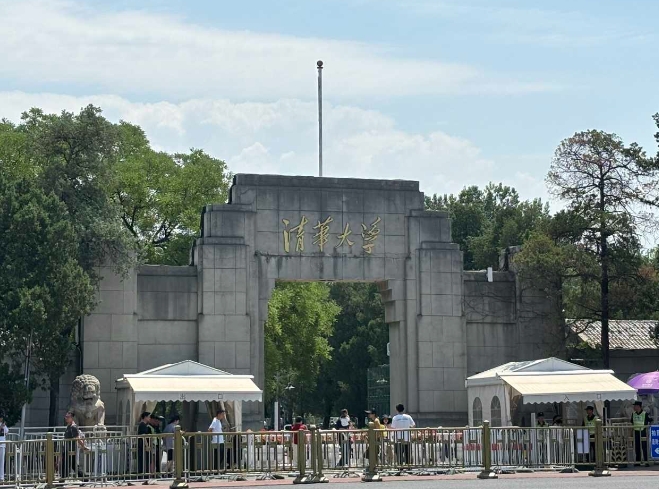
309, 229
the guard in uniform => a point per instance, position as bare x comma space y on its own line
589, 422
640, 419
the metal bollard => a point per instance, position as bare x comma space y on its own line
600, 470
50, 461
302, 477
178, 482
372, 473
487, 472
317, 450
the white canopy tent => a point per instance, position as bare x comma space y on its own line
493, 394
185, 381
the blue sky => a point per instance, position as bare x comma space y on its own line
449, 93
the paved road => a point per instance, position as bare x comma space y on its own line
508, 483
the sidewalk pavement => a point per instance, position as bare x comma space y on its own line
634, 472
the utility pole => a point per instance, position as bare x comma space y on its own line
319, 64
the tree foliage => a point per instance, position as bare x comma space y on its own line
611, 189
359, 342
118, 196
301, 318
43, 288
162, 195
486, 221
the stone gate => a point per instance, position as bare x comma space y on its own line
444, 323
310, 229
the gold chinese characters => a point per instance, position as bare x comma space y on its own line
322, 235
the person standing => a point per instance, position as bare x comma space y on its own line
4, 431
640, 420
343, 424
297, 426
542, 437
143, 429
170, 429
540, 420
156, 443
373, 418
402, 423
72, 440
589, 422
389, 453
218, 439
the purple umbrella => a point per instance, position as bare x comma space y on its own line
645, 383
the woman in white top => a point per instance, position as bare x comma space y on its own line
3, 437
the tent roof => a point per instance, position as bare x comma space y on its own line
190, 381
186, 367
550, 364
575, 386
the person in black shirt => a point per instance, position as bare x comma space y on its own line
343, 424
142, 429
72, 437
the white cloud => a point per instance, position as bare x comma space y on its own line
538, 26
281, 137
133, 52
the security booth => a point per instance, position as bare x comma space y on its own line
511, 395
182, 387
188, 383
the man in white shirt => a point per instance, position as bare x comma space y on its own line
218, 440
403, 422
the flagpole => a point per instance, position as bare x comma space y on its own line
319, 64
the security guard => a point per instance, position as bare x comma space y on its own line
640, 420
542, 437
589, 422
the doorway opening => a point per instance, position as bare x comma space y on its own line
321, 341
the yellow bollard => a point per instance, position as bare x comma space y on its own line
302, 477
178, 483
50, 461
372, 473
600, 470
317, 450
487, 472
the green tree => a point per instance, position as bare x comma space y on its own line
43, 288
612, 189
162, 195
301, 318
73, 157
359, 342
485, 221
13, 392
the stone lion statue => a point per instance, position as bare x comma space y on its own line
86, 401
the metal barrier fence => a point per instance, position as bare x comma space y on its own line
535, 448
104, 458
39, 432
440, 449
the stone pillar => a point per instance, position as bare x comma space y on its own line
440, 323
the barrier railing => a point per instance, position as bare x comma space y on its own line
39, 432
310, 455
442, 449
536, 448
25, 461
